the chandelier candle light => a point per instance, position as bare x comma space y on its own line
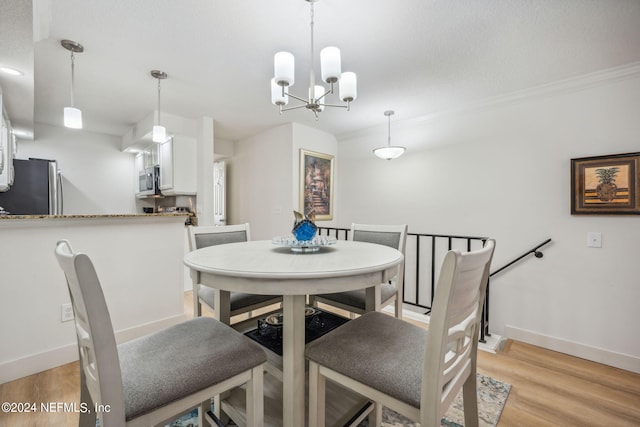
390, 151
330, 67
159, 133
72, 115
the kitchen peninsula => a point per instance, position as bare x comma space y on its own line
94, 216
137, 256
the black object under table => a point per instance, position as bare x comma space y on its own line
316, 325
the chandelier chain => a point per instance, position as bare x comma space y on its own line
312, 76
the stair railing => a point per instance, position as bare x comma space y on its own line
484, 331
415, 262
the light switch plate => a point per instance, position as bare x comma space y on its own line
594, 239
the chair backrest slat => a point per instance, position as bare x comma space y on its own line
211, 239
394, 236
96, 342
452, 339
201, 237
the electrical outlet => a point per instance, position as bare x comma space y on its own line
66, 312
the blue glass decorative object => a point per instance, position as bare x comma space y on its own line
304, 228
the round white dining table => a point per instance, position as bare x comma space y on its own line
261, 267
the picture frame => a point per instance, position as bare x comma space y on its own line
316, 184
608, 185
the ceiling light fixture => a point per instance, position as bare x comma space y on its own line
11, 71
330, 68
23, 133
72, 115
390, 151
159, 133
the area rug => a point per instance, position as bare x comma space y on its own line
492, 396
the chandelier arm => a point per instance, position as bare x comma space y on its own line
297, 97
294, 108
333, 105
325, 94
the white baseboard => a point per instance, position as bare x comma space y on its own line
409, 314
29, 365
595, 354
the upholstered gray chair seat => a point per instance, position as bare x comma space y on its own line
239, 300
358, 349
415, 372
165, 366
357, 298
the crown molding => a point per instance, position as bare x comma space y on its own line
573, 84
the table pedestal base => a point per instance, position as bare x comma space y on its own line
341, 406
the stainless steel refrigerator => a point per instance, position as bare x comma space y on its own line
36, 189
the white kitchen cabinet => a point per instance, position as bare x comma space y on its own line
177, 159
147, 159
139, 164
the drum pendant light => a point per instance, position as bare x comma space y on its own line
159, 133
72, 115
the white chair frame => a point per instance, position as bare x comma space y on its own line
101, 377
450, 349
222, 309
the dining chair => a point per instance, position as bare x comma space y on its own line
154, 379
394, 236
413, 371
200, 237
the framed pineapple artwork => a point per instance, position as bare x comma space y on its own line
606, 185
316, 184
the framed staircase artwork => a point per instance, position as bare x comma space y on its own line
316, 184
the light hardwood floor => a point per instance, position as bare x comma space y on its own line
548, 389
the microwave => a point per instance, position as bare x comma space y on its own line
149, 181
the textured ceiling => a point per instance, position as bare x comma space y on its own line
416, 57
16, 51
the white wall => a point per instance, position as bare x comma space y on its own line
263, 177
98, 178
138, 261
204, 170
259, 183
504, 172
223, 149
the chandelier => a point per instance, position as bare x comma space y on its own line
389, 152
330, 68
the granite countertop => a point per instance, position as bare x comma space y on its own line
136, 215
